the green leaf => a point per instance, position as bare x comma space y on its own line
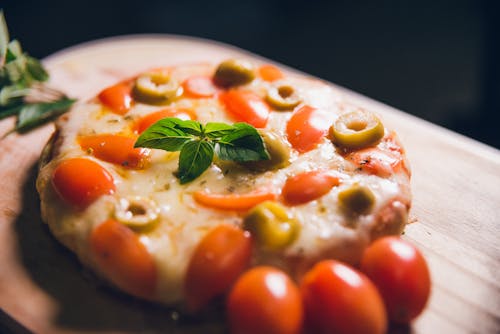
216, 130
32, 115
196, 156
243, 144
14, 51
13, 94
164, 134
36, 69
4, 38
10, 111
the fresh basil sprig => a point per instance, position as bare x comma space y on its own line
22, 91
198, 143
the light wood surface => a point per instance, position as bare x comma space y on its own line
456, 209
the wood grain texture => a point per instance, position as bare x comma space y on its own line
456, 187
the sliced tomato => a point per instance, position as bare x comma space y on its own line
217, 261
308, 186
268, 72
80, 181
116, 149
307, 127
199, 87
265, 300
245, 106
238, 202
117, 97
122, 257
145, 122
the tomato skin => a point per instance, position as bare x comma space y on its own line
268, 72
121, 256
199, 87
217, 261
339, 299
117, 97
80, 181
145, 122
116, 149
245, 106
400, 273
308, 186
265, 300
307, 127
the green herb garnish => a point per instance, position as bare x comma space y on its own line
199, 143
22, 91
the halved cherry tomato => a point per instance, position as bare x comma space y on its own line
307, 127
81, 181
339, 299
199, 87
115, 149
118, 97
217, 261
268, 72
400, 273
265, 300
123, 259
145, 122
238, 202
308, 186
245, 106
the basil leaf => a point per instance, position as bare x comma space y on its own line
32, 115
164, 135
12, 94
243, 144
216, 130
36, 69
4, 39
189, 127
196, 156
10, 111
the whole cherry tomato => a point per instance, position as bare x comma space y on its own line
400, 273
265, 300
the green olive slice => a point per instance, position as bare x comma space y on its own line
283, 96
234, 72
357, 199
356, 129
271, 225
279, 153
156, 88
136, 211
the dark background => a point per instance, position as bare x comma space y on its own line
438, 60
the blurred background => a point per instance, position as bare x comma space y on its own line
438, 60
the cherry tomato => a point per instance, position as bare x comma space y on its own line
400, 272
308, 186
268, 72
118, 97
217, 261
81, 181
145, 122
122, 257
239, 202
265, 300
245, 106
116, 149
307, 127
339, 299
199, 87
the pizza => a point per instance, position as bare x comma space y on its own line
172, 183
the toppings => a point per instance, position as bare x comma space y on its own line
238, 202
115, 149
217, 261
80, 181
356, 129
265, 300
136, 211
308, 186
245, 106
120, 255
268, 72
117, 97
279, 152
156, 88
199, 87
234, 72
145, 122
283, 96
357, 199
271, 225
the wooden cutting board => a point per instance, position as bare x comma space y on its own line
456, 187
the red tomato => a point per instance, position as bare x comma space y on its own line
308, 186
199, 87
116, 149
265, 300
245, 106
339, 299
81, 181
307, 127
145, 122
122, 257
118, 97
268, 72
217, 261
400, 272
